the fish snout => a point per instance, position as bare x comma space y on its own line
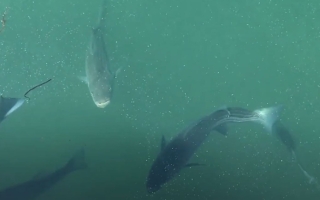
102, 104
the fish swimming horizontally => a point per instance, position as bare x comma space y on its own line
99, 77
175, 155
30, 190
9, 105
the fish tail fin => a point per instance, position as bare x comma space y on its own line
9, 105
77, 162
268, 116
312, 180
103, 15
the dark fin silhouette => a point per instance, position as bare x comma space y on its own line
222, 129
193, 164
163, 143
77, 162
9, 105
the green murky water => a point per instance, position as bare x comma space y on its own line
181, 60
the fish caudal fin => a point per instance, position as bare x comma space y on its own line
77, 162
312, 180
268, 116
103, 14
9, 105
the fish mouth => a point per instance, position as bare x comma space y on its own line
102, 104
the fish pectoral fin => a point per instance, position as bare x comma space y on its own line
83, 79
163, 143
193, 164
117, 72
222, 129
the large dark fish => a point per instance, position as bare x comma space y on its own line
32, 189
99, 77
9, 105
175, 155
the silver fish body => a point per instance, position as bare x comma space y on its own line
99, 77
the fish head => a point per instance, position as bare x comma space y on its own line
101, 94
160, 173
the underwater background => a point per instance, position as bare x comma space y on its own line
181, 60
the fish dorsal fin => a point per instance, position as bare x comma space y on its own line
163, 143
223, 107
